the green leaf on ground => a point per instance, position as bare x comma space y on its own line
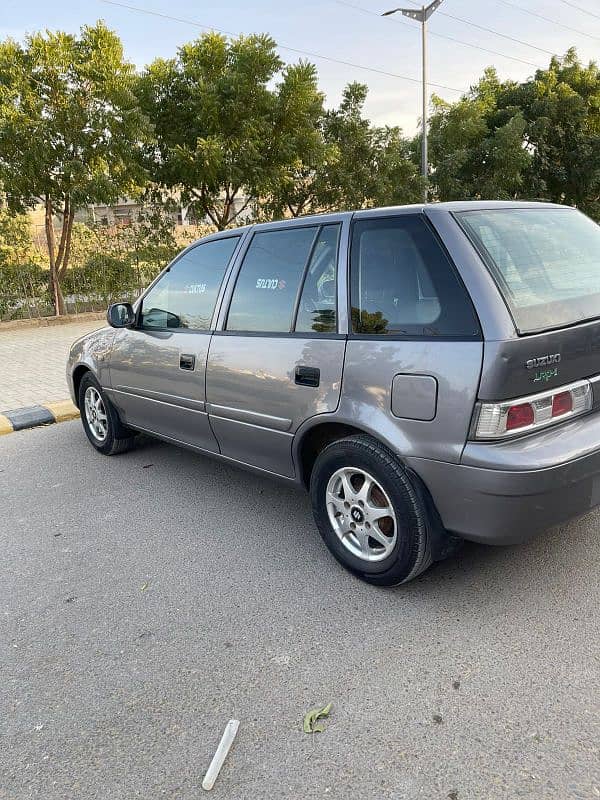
310, 724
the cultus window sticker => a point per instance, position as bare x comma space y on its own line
194, 288
270, 283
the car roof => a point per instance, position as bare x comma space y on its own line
321, 219
461, 205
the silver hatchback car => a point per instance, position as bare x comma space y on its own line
428, 373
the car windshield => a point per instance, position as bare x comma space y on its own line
546, 263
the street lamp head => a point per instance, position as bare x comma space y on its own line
421, 14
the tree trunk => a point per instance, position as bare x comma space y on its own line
60, 305
59, 260
53, 281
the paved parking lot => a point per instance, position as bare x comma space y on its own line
148, 598
32, 362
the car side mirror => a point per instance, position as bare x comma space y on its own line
120, 315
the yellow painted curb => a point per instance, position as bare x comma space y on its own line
62, 411
5, 426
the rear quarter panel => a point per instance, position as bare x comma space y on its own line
366, 401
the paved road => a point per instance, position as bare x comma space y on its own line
115, 691
32, 362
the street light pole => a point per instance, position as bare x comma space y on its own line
421, 15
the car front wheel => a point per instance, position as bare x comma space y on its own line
100, 420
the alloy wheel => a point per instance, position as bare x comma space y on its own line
95, 414
361, 514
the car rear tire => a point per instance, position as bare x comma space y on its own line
100, 420
370, 513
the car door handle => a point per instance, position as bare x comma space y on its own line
187, 361
307, 376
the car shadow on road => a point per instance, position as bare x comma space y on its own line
554, 558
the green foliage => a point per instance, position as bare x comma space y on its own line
476, 152
356, 166
561, 106
15, 238
69, 128
536, 140
107, 264
22, 282
117, 262
23, 290
224, 127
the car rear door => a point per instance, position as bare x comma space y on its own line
276, 357
157, 369
545, 264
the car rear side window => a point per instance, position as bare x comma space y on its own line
269, 280
318, 301
545, 261
403, 283
186, 294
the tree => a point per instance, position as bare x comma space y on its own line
357, 165
535, 140
70, 126
477, 151
225, 134
561, 107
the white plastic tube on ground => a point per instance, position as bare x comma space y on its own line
219, 757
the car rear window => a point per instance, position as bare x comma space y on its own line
546, 263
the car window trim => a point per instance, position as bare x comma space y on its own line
283, 335
193, 246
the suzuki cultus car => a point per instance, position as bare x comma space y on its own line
428, 373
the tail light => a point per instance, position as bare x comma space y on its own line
532, 413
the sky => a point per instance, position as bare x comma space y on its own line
349, 31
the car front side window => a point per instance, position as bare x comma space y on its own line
185, 296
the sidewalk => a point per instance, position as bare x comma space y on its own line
33, 360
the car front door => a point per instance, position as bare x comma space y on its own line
276, 358
157, 368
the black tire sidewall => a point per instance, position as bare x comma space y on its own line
107, 445
365, 453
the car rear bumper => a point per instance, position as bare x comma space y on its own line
512, 491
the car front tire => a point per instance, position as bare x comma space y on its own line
100, 421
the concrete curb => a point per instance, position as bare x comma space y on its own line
46, 322
21, 419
